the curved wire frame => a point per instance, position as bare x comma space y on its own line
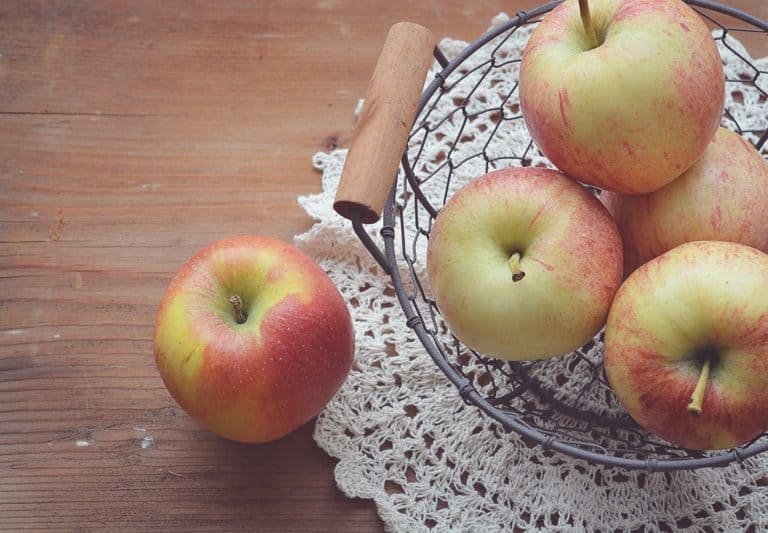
532, 399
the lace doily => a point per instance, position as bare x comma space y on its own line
399, 429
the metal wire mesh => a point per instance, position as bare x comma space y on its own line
563, 403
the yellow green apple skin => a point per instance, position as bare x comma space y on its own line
632, 113
523, 264
701, 301
258, 380
722, 197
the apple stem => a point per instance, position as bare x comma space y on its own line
697, 397
586, 20
514, 265
237, 305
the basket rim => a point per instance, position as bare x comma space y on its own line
466, 390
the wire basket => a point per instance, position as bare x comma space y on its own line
564, 404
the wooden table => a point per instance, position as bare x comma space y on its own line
131, 135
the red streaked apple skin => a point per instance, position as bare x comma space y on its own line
571, 257
633, 113
260, 380
697, 294
722, 197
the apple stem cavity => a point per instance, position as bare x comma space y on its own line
697, 397
237, 305
514, 265
586, 20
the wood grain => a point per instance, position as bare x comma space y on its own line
382, 130
131, 135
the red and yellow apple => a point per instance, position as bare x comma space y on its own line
523, 264
629, 103
722, 197
252, 338
686, 345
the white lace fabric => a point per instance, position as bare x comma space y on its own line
402, 434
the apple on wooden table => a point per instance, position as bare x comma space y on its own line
686, 345
622, 94
722, 197
523, 263
252, 338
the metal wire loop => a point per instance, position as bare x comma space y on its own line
652, 465
738, 454
413, 322
465, 389
522, 17
387, 232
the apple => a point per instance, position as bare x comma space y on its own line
252, 338
523, 263
686, 345
722, 197
624, 95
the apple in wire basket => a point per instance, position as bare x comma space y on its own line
622, 94
252, 338
686, 345
722, 197
523, 264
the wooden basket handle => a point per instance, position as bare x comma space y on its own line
385, 122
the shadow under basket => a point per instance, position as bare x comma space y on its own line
468, 122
